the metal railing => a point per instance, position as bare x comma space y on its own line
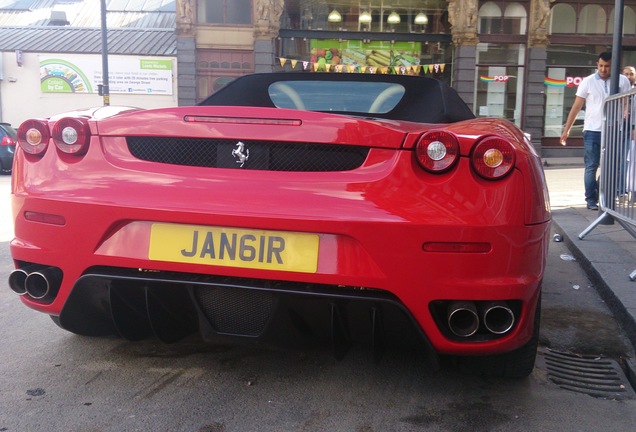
617, 181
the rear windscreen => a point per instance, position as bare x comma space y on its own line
340, 96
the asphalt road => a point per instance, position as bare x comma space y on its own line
52, 380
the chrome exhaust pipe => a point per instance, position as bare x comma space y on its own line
463, 319
17, 280
44, 282
498, 318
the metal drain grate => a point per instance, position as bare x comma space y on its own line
600, 377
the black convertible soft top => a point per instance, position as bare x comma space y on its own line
424, 100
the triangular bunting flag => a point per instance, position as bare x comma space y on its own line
282, 62
293, 63
442, 66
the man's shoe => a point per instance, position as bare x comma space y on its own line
592, 207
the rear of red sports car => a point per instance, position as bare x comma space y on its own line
293, 209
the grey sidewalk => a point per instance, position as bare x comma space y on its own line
607, 252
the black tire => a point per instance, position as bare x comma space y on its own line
515, 364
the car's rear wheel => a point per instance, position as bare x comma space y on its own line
515, 364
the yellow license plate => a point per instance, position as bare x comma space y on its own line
230, 247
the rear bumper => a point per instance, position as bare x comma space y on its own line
373, 223
135, 305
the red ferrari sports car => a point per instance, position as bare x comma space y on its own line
289, 208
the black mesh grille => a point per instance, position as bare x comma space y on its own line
263, 155
236, 311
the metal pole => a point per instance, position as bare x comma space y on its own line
617, 45
105, 91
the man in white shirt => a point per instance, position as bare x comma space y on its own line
592, 93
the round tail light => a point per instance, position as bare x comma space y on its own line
33, 136
72, 135
437, 151
493, 158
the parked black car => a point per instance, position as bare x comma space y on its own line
7, 147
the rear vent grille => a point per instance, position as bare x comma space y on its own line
257, 155
236, 311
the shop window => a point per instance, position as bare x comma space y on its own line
500, 54
499, 78
562, 19
629, 22
371, 16
225, 11
592, 20
561, 85
499, 92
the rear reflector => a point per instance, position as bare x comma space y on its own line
46, 218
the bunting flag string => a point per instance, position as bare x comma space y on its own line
417, 69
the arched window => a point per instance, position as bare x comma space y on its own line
592, 20
515, 19
562, 19
489, 18
629, 22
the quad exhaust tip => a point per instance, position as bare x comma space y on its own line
464, 318
498, 318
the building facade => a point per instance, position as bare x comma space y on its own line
519, 60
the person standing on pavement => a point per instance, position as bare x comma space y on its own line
592, 93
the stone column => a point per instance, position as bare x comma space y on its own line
267, 15
186, 52
534, 96
462, 15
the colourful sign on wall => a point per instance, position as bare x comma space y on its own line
128, 75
